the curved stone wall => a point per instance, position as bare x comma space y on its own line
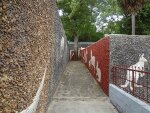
31, 34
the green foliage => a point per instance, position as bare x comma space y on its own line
109, 9
91, 35
124, 26
142, 22
131, 6
78, 18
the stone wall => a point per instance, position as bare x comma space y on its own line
31, 54
80, 44
126, 50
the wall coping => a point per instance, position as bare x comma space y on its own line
144, 106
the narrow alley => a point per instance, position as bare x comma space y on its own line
78, 92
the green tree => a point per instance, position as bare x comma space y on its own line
132, 7
108, 19
143, 20
77, 18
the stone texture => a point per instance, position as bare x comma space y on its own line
77, 82
28, 44
78, 92
125, 51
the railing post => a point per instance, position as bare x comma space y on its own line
147, 88
136, 84
116, 76
113, 75
133, 80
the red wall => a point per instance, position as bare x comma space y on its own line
100, 50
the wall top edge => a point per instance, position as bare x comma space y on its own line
124, 35
82, 42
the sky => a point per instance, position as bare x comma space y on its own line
99, 23
60, 12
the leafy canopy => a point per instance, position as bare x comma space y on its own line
78, 18
131, 6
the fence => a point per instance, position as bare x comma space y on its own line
133, 80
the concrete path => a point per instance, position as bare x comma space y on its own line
79, 93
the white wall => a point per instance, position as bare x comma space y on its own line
126, 103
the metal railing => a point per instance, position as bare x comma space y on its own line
133, 80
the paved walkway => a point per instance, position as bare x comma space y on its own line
79, 93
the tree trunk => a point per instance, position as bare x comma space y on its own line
76, 47
133, 24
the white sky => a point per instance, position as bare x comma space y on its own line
60, 12
102, 25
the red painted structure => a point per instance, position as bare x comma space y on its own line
119, 78
72, 55
100, 50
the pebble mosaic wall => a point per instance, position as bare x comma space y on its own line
31, 58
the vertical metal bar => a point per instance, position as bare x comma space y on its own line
133, 81
142, 85
147, 88
115, 75
139, 92
120, 73
113, 80
129, 80
118, 76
